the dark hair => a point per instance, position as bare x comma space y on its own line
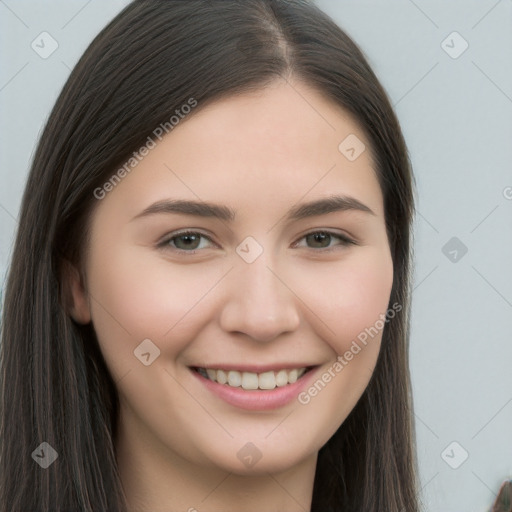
150, 60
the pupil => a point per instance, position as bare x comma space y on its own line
189, 239
319, 237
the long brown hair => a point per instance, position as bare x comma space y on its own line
146, 63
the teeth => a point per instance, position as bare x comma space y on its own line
222, 378
282, 378
249, 380
252, 381
293, 376
234, 379
266, 380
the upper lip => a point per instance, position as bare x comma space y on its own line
256, 368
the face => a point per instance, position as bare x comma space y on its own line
260, 292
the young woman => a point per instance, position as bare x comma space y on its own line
207, 305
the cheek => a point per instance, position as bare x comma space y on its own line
350, 296
135, 297
351, 306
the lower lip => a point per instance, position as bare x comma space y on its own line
257, 400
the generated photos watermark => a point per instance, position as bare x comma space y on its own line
337, 367
137, 156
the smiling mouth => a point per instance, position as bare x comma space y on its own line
252, 381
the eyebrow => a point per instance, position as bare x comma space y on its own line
203, 209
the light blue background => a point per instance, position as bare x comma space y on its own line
456, 115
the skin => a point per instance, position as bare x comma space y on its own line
260, 154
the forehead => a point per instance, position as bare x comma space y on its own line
275, 145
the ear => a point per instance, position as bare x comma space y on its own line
75, 296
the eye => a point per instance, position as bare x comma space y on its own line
186, 241
190, 241
322, 239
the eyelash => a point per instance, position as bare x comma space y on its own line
345, 241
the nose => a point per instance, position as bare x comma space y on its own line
259, 302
